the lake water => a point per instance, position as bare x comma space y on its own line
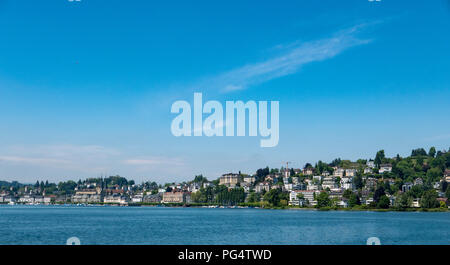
162, 225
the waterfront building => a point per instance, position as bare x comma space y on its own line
176, 197
86, 198
294, 200
137, 198
27, 199
38, 199
152, 198
115, 199
9, 199
62, 199
342, 203
49, 199
308, 196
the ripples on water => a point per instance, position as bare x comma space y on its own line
162, 225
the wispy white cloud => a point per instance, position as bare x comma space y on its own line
152, 161
72, 161
438, 137
33, 160
294, 56
79, 158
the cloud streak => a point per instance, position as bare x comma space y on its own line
295, 56
152, 161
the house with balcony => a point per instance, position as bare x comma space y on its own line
329, 182
385, 168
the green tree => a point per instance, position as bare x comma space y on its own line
379, 192
432, 151
358, 181
347, 194
379, 158
403, 201
354, 200
323, 200
254, 197
384, 202
429, 199
434, 174
418, 152
274, 196
200, 179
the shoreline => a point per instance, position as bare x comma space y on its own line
239, 207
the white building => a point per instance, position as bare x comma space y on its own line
350, 172
312, 186
317, 178
38, 199
194, 187
137, 198
116, 199
263, 186
246, 186
329, 182
294, 200
385, 168
288, 186
339, 172
368, 170
371, 164
308, 196
26, 199
347, 183
249, 179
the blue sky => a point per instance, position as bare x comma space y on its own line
86, 87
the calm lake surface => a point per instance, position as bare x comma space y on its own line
160, 225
